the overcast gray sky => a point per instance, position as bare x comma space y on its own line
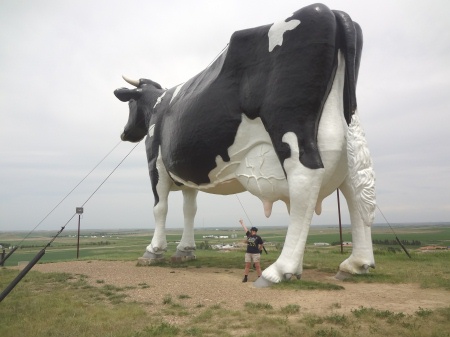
60, 62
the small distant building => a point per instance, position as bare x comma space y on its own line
321, 244
433, 248
223, 247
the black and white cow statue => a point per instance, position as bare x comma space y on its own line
275, 114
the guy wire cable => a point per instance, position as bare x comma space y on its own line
217, 56
244, 210
398, 241
73, 189
42, 251
14, 248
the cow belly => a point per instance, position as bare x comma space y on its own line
253, 166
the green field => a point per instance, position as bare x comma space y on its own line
130, 244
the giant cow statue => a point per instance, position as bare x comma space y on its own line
275, 114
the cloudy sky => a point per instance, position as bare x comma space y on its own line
60, 62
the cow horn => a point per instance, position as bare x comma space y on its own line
132, 82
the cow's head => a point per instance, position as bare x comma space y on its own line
141, 101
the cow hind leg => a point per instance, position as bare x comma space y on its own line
186, 247
358, 188
361, 258
304, 186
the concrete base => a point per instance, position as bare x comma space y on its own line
342, 275
261, 282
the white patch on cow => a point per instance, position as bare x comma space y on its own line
159, 99
277, 31
151, 130
175, 93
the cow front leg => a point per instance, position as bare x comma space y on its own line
186, 247
361, 258
304, 186
158, 245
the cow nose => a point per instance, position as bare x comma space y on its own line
122, 136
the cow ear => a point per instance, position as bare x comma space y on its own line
125, 94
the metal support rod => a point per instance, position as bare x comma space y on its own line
403, 247
8, 255
340, 225
21, 274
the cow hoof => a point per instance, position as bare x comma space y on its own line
342, 275
182, 256
151, 256
184, 253
298, 276
288, 276
262, 282
367, 266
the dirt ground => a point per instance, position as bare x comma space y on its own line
209, 286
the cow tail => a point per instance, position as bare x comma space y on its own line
349, 40
361, 171
362, 177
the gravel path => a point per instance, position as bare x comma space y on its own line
208, 286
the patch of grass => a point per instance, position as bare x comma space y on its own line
337, 319
423, 312
113, 293
183, 296
143, 285
335, 305
290, 309
331, 332
363, 312
193, 331
167, 299
312, 320
53, 304
257, 306
162, 329
307, 285
371, 278
204, 316
387, 315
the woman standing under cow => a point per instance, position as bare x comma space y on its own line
254, 248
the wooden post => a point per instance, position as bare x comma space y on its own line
78, 237
79, 211
340, 225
